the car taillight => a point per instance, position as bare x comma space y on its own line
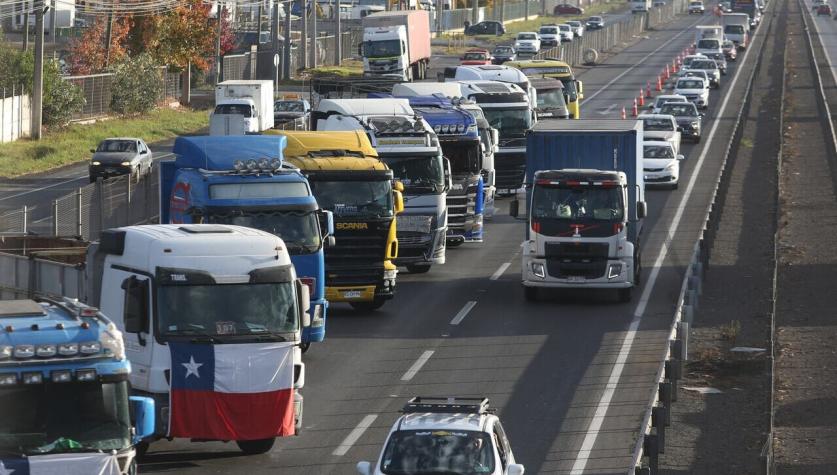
310, 282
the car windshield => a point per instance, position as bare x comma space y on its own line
577, 203
502, 50
657, 151
574, 23
64, 417
355, 197
595, 18
227, 310
728, 44
509, 121
690, 84
418, 174
300, 230
464, 156
117, 146
475, 56
549, 30
657, 124
526, 36
565, 27
704, 64
662, 100
695, 73
288, 106
696, 4
427, 452
382, 49
551, 99
229, 109
679, 110
709, 44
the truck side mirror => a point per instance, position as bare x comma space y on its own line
448, 178
329, 222
516, 469
641, 210
513, 208
364, 468
580, 86
142, 415
304, 296
495, 136
135, 306
399, 201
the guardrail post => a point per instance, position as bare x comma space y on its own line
652, 451
666, 389
659, 419
688, 313
673, 371
25, 219
78, 213
55, 217
683, 338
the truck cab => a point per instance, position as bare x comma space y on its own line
396, 44
64, 391
244, 181
553, 68
244, 106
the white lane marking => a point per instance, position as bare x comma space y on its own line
354, 435
417, 365
667, 43
499, 273
606, 111
616, 373
463, 313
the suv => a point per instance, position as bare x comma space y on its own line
486, 28
567, 9
445, 435
695, 89
711, 68
566, 32
527, 42
595, 23
502, 54
577, 27
689, 120
696, 7
824, 9
550, 36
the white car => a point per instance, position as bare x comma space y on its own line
578, 27
708, 46
662, 99
710, 67
660, 164
688, 59
550, 35
695, 89
445, 435
566, 32
662, 127
696, 7
696, 73
527, 42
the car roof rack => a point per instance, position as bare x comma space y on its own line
460, 405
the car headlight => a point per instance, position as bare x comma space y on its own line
97, 163
126, 164
695, 124
538, 269
111, 340
671, 166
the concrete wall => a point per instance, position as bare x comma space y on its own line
15, 116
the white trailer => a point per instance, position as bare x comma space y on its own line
252, 99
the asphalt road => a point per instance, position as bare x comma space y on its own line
826, 27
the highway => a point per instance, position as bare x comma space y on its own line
825, 27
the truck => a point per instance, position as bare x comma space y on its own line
584, 204
736, 28
211, 317
64, 385
396, 44
553, 68
244, 181
709, 32
242, 106
749, 7
640, 6
349, 179
410, 148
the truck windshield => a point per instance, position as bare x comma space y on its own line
382, 49
229, 109
734, 30
577, 203
418, 174
300, 230
657, 125
464, 156
438, 452
227, 309
551, 99
709, 44
354, 197
510, 122
64, 417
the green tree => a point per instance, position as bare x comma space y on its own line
136, 85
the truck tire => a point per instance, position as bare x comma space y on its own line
371, 306
418, 268
531, 294
141, 449
625, 294
255, 447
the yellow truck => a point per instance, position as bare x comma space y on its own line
552, 68
348, 179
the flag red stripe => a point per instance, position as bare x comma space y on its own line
231, 416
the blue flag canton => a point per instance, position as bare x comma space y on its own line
192, 366
14, 466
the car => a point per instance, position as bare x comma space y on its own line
660, 164
578, 28
527, 42
695, 90
567, 9
696, 7
659, 3
697, 73
503, 53
729, 49
661, 127
476, 57
816, 4
594, 23
687, 60
705, 46
721, 60
485, 28
567, 34
550, 35
660, 100
120, 156
824, 10
712, 70
726, 7
445, 436
291, 110
689, 120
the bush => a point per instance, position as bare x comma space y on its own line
136, 85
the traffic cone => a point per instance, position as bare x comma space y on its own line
648, 89
667, 73
624, 115
635, 109
659, 84
674, 66
641, 98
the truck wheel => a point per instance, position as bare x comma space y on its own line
418, 268
255, 447
141, 449
531, 294
625, 294
368, 306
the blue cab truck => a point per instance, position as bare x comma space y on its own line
460, 141
585, 204
64, 392
243, 180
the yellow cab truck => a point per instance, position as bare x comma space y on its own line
348, 179
552, 68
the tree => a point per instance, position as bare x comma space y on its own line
183, 36
89, 54
136, 85
227, 33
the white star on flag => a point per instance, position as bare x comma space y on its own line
191, 368
5, 471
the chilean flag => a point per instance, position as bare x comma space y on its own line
62, 464
231, 391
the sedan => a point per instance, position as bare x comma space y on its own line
689, 120
711, 68
720, 60
824, 10
502, 54
567, 9
577, 27
595, 23
120, 156
660, 164
696, 7
476, 57
661, 127
661, 100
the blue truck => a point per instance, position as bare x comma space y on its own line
64, 391
584, 206
243, 180
460, 141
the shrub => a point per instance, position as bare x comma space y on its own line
136, 85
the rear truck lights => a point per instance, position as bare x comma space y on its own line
24, 351
90, 347
538, 269
9, 379
45, 351
6, 352
88, 312
61, 376
68, 349
86, 375
614, 271
33, 378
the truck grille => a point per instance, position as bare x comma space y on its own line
457, 211
357, 258
566, 259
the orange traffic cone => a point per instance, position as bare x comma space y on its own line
641, 98
659, 84
667, 73
648, 89
624, 115
634, 110
674, 67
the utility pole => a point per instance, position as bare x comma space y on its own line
53, 5
338, 37
475, 12
38, 86
314, 45
220, 17
26, 27
108, 38
304, 46
526, 9
286, 61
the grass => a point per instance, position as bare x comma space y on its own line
348, 68
73, 143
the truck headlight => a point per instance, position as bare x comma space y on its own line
6, 352
8, 379
538, 269
33, 378
390, 274
45, 351
68, 349
24, 351
90, 347
614, 270
61, 376
317, 319
126, 164
111, 340
86, 375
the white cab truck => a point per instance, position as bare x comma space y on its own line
396, 44
640, 6
709, 32
736, 28
244, 106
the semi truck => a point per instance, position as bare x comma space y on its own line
349, 180
584, 204
244, 181
553, 68
410, 148
243, 106
211, 316
66, 405
396, 44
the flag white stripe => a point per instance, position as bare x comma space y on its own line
254, 367
73, 464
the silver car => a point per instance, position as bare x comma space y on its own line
120, 156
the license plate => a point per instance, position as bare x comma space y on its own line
418, 224
351, 294
576, 278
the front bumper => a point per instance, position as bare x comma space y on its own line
537, 272
107, 171
384, 289
415, 248
470, 231
549, 42
689, 132
664, 177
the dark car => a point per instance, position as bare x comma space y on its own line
485, 28
824, 10
291, 110
120, 156
689, 120
567, 9
595, 23
502, 54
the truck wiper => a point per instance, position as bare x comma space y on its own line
267, 335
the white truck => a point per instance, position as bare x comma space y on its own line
709, 32
242, 107
640, 6
736, 28
396, 44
